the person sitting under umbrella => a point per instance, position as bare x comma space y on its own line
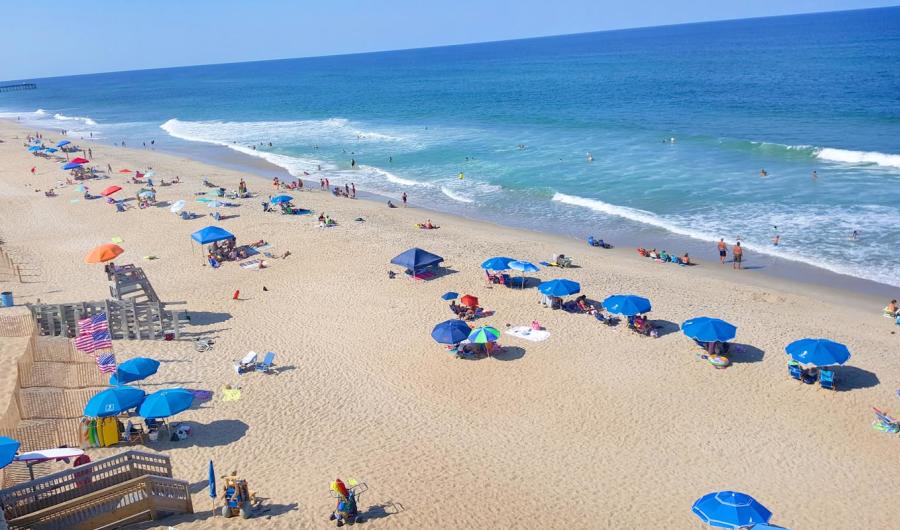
582, 304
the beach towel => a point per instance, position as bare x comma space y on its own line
253, 264
202, 395
231, 394
525, 332
117, 240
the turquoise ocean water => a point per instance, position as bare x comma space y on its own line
790, 95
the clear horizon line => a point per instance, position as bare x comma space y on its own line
437, 46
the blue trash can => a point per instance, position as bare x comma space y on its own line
6, 299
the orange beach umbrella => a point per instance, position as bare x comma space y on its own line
103, 253
110, 190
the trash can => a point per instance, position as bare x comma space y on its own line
6, 299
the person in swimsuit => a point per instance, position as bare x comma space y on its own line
723, 250
738, 253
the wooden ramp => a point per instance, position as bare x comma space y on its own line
110, 493
128, 319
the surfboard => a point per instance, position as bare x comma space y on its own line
49, 454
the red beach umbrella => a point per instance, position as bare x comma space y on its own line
125, 171
469, 300
110, 190
79, 160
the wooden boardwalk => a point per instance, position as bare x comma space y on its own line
128, 319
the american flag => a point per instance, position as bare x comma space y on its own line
97, 322
107, 363
93, 334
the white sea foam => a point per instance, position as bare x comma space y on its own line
40, 112
390, 177
858, 157
63, 117
455, 196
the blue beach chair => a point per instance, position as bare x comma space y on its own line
266, 365
795, 371
826, 379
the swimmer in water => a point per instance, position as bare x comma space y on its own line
763, 173
814, 175
590, 157
855, 235
776, 240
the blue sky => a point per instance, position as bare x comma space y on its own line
41, 39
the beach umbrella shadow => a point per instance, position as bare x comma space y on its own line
509, 353
380, 511
744, 353
664, 327
853, 378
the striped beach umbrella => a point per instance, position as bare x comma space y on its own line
484, 334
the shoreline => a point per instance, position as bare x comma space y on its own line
790, 271
363, 391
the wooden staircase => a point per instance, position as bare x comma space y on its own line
110, 493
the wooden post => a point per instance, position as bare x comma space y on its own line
19, 273
176, 324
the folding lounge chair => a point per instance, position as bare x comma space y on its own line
795, 371
826, 379
885, 423
266, 365
246, 364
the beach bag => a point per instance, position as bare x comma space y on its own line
535, 325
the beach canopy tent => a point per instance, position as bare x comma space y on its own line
211, 234
71, 165
113, 401
165, 403
497, 263
706, 329
103, 253
451, 332
62, 143
8, 449
730, 509
818, 352
134, 370
416, 259
559, 288
484, 334
110, 190
627, 304
281, 199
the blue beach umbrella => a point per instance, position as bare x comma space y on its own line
134, 370
559, 288
627, 304
707, 329
523, 266
211, 480
34, 148
165, 403
730, 509
62, 143
70, 165
484, 334
113, 401
451, 332
51, 149
818, 352
496, 263
764, 526
450, 295
8, 449
280, 199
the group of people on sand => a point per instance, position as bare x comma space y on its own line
665, 257
325, 221
348, 191
226, 250
427, 225
892, 311
464, 312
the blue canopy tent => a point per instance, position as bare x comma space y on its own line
210, 234
416, 259
8, 449
113, 401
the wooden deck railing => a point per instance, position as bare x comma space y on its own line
51, 490
140, 499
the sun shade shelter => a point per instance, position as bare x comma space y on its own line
211, 234
416, 259
706, 329
113, 401
818, 352
103, 253
165, 403
730, 509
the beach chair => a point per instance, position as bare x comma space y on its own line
214, 263
246, 364
826, 379
885, 423
266, 365
120, 207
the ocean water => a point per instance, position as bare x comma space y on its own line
679, 120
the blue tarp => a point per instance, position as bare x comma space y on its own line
416, 259
211, 234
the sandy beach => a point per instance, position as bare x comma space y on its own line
595, 427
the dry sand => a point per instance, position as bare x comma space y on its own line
594, 428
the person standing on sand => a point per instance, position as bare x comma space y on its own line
738, 254
321, 184
723, 250
352, 190
327, 184
404, 199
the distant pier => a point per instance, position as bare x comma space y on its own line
17, 87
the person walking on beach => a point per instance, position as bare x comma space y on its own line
327, 184
90, 153
738, 254
321, 184
404, 199
352, 190
723, 250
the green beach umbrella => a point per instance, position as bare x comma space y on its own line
484, 334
